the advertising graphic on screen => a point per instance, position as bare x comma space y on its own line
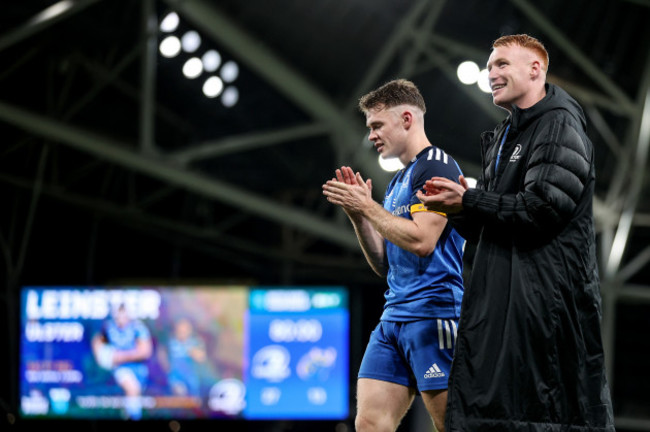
184, 352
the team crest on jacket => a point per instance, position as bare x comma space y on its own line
515, 156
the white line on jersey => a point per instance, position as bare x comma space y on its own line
439, 155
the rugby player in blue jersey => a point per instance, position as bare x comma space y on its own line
420, 255
123, 347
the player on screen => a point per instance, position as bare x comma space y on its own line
420, 254
184, 358
123, 347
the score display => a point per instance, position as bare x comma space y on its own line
298, 358
199, 352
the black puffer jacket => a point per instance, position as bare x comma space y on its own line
529, 353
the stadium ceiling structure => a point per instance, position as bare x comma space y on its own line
114, 165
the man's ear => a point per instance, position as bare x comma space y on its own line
535, 69
407, 119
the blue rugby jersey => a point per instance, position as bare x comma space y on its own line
126, 338
429, 287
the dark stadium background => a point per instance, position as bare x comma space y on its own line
115, 168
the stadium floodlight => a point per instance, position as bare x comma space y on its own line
229, 71
52, 11
390, 164
230, 96
211, 60
484, 82
212, 87
468, 72
170, 46
190, 41
193, 67
169, 23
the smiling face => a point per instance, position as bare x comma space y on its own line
387, 131
516, 77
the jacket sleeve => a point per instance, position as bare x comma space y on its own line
467, 226
556, 174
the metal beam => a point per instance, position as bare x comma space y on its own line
636, 178
212, 238
613, 291
393, 45
642, 220
639, 262
418, 39
118, 153
148, 76
239, 143
603, 215
133, 91
632, 423
591, 97
48, 17
634, 294
605, 131
101, 82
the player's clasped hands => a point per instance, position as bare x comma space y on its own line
348, 190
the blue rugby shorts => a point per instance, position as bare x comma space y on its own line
415, 354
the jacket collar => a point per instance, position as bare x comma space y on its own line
555, 99
520, 118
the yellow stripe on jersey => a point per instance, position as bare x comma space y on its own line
420, 208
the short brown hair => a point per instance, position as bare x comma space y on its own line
525, 41
392, 94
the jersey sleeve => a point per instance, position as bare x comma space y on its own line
141, 330
434, 163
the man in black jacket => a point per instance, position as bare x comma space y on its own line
529, 354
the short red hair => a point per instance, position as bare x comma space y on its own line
525, 41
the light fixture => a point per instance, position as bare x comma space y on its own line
212, 87
211, 60
193, 67
190, 41
230, 97
170, 46
484, 81
468, 72
169, 23
52, 11
390, 164
229, 71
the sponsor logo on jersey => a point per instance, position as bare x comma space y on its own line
400, 210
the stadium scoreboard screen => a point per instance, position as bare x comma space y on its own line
200, 352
